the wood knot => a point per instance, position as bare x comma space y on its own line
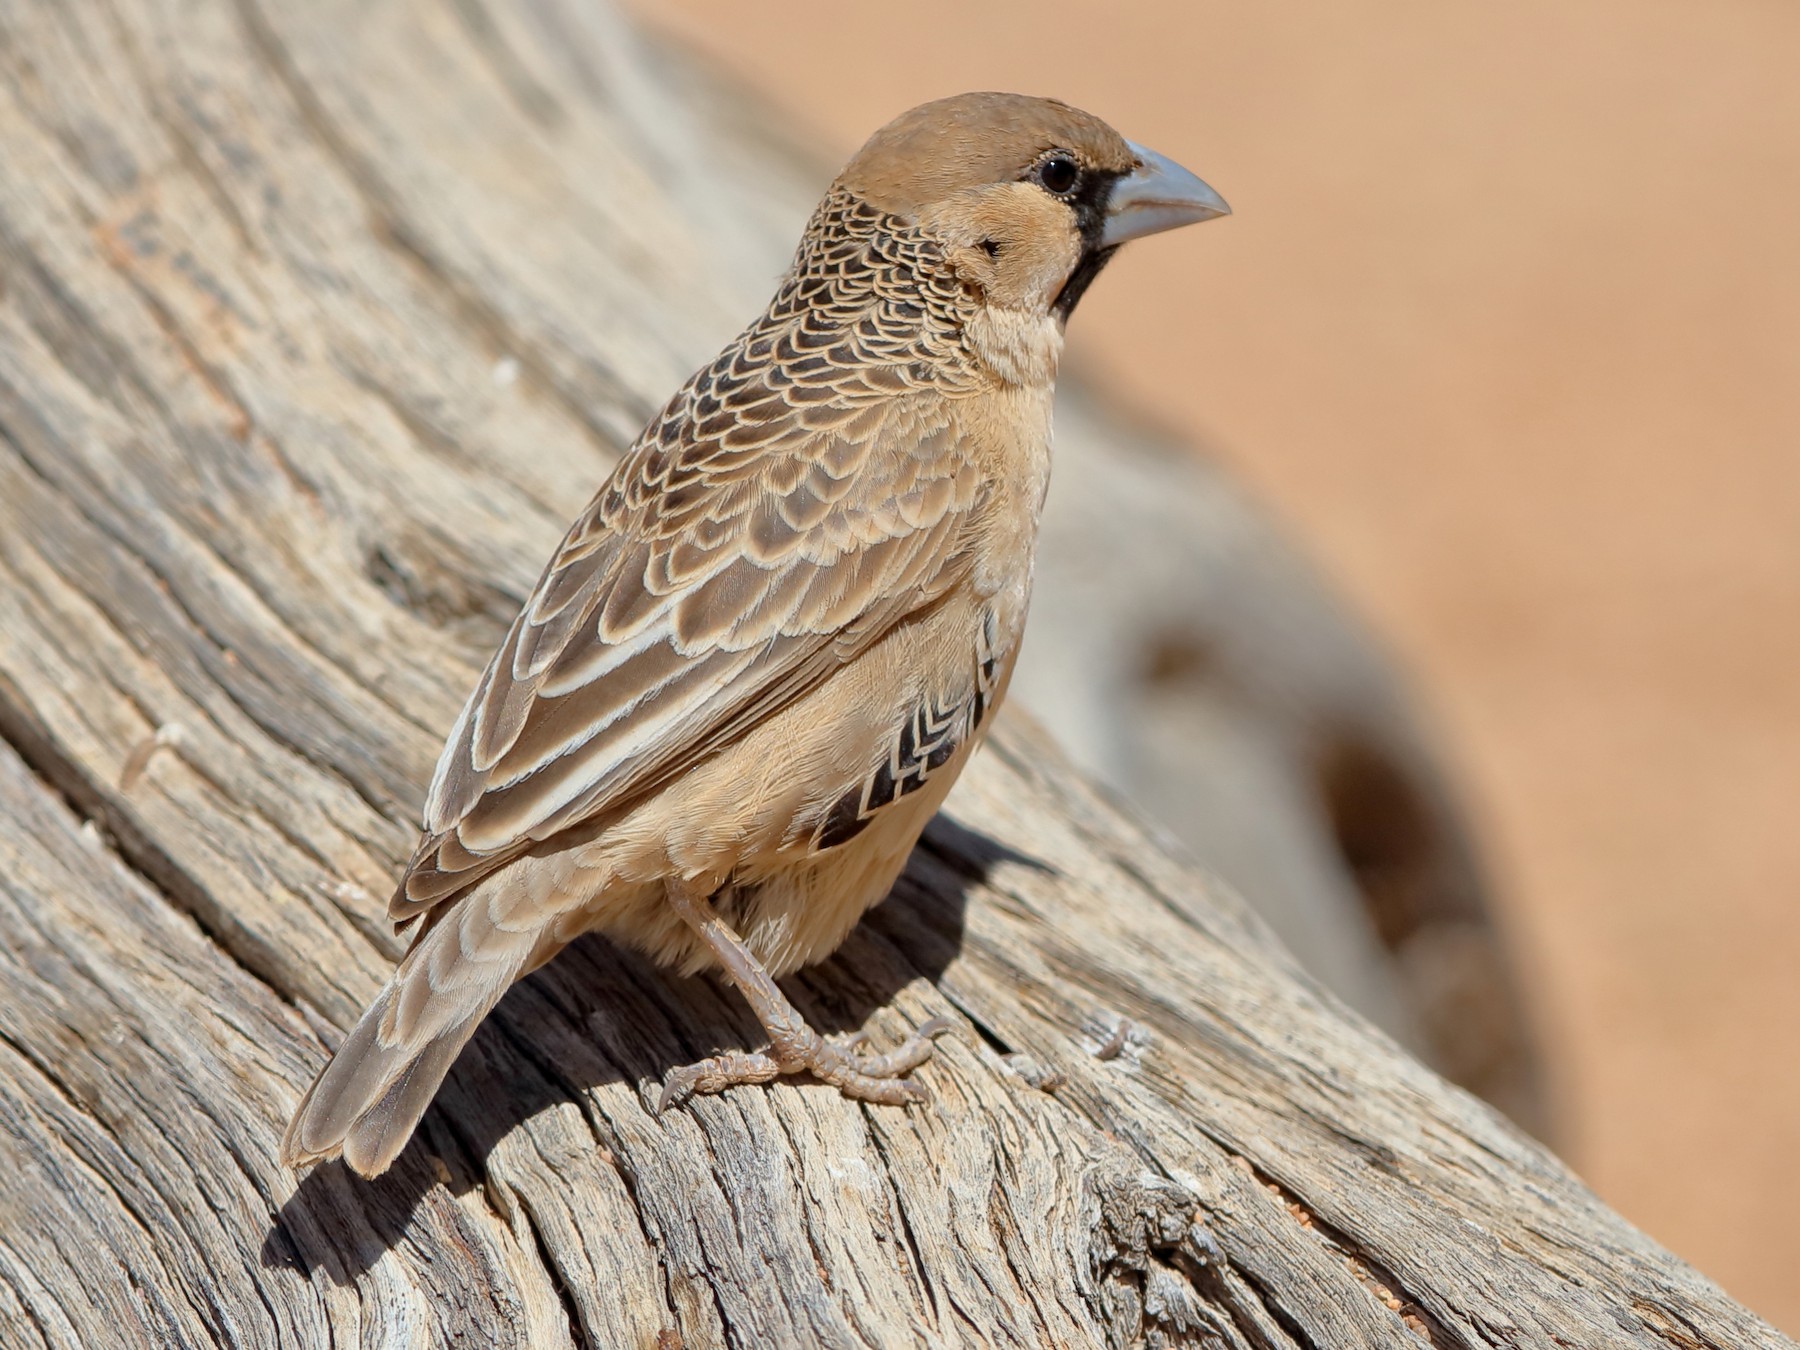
1147, 1256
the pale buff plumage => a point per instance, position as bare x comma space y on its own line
763, 653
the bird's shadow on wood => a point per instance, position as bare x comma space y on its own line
599, 1014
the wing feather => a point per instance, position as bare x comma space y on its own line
800, 496
669, 623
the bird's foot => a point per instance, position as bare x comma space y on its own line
800, 1049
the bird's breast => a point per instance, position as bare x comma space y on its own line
1007, 432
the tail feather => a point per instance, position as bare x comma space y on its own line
368, 1100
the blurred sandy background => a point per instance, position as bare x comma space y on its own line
1507, 328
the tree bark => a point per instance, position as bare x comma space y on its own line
317, 323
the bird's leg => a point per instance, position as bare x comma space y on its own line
794, 1047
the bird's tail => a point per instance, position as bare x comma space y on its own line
367, 1101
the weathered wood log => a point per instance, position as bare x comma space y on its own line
289, 415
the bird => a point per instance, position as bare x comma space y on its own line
762, 654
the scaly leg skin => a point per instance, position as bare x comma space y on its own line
794, 1047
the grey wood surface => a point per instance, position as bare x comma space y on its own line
317, 322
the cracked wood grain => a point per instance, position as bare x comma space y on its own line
316, 323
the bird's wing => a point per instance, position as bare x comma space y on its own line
780, 516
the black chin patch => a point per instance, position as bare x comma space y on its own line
1092, 260
1089, 205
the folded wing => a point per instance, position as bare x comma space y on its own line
788, 508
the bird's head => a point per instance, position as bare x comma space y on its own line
1028, 197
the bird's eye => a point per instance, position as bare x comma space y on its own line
1058, 174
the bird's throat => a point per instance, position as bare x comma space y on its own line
1018, 347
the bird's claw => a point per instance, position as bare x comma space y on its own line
870, 1078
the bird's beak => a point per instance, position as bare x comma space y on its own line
1158, 195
